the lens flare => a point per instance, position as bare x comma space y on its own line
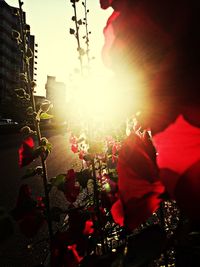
102, 99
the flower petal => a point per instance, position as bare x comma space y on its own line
26, 152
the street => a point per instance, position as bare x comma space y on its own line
14, 252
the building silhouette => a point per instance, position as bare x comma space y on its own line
56, 94
11, 60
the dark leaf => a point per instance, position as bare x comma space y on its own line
29, 173
145, 246
6, 226
71, 31
49, 187
55, 213
16, 34
73, 18
29, 111
79, 22
25, 203
26, 131
31, 223
20, 92
83, 177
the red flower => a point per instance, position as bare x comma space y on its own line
105, 3
75, 252
31, 223
26, 154
139, 185
89, 227
116, 4
74, 143
27, 213
73, 139
25, 203
71, 190
74, 148
178, 158
117, 212
69, 247
148, 38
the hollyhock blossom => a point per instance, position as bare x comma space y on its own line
74, 143
26, 154
179, 162
138, 182
105, 3
69, 247
148, 38
70, 187
28, 213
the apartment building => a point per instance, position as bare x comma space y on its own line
11, 58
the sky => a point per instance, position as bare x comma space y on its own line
50, 22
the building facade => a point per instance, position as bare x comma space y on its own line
56, 94
11, 59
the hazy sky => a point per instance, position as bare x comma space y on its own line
50, 21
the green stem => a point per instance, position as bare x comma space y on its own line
26, 69
87, 33
77, 36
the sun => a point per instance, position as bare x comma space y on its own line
101, 99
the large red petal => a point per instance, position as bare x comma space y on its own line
139, 185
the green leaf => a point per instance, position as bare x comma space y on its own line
45, 106
45, 116
43, 141
49, 147
59, 179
